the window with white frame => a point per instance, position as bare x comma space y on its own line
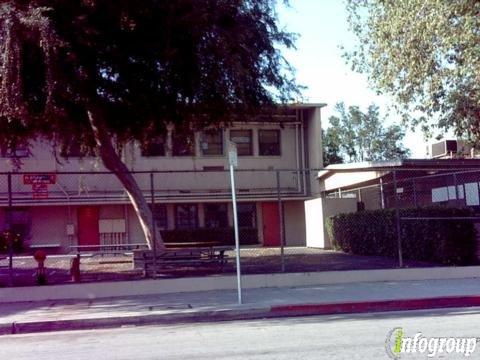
159, 212
269, 142
212, 142
247, 215
216, 215
186, 216
154, 146
183, 143
243, 140
75, 149
19, 151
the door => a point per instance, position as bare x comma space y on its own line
271, 224
88, 233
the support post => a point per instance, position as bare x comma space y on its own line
280, 221
154, 245
9, 230
414, 185
237, 241
397, 220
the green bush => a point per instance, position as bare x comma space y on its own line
373, 232
222, 236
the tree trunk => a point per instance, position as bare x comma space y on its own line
112, 162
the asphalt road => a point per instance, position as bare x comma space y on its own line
321, 337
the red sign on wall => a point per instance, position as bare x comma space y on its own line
40, 191
30, 179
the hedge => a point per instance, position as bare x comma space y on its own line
223, 236
373, 232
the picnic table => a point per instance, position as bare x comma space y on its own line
107, 249
181, 256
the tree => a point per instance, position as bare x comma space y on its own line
103, 72
425, 53
355, 136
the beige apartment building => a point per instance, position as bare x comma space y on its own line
69, 200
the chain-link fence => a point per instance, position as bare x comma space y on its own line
427, 215
367, 218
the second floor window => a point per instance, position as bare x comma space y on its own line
76, 150
18, 152
154, 146
243, 139
269, 142
212, 142
183, 143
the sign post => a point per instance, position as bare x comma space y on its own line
233, 161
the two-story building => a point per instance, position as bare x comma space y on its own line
68, 200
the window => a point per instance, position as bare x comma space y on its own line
19, 222
18, 152
212, 142
216, 215
154, 146
74, 149
160, 216
243, 139
183, 143
186, 216
269, 142
247, 215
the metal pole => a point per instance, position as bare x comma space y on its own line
414, 193
9, 230
382, 197
457, 197
154, 245
397, 221
237, 242
280, 221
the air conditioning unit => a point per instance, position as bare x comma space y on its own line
444, 148
451, 149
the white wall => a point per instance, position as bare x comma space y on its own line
49, 225
316, 213
294, 216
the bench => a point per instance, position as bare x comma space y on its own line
101, 250
46, 247
175, 258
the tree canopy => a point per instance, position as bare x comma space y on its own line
89, 71
355, 136
426, 54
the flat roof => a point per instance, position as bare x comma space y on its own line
427, 164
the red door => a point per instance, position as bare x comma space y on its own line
271, 224
88, 233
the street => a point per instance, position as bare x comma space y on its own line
321, 337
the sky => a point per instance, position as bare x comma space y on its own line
322, 28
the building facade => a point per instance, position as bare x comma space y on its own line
66, 200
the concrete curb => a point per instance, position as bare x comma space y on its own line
275, 311
89, 291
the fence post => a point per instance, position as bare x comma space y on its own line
9, 230
154, 245
397, 220
414, 193
457, 197
280, 221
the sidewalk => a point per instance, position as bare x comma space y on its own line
25, 317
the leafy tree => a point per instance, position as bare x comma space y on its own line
426, 54
355, 136
105, 72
